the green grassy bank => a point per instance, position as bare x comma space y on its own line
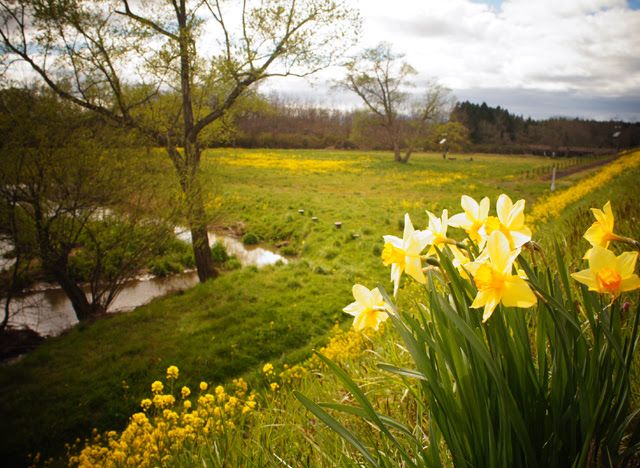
96, 374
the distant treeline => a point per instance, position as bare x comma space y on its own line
274, 122
282, 124
496, 129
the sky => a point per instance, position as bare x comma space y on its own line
537, 58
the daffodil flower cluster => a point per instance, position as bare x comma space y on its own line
607, 273
499, 237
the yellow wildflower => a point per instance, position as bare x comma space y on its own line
368, 310
172, 373
494, 280
146, 403
510, 222
204, 386
186, 404
474, 216
404, 254
609, 274
157, 387
267, 368
185, 392
274, 386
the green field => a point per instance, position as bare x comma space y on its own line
96, 374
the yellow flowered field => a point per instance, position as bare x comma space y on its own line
286, 162
552, 206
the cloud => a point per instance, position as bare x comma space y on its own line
583, 46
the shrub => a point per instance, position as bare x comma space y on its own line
250, 239
219, 253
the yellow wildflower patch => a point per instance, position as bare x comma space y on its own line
151, 438
290, 163
552, 206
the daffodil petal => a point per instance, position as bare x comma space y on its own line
586, 277
396, 272
595, 235
489, 307
517, 293
483, 212
460, 220
354, 309
520, 236
480, 300
601, 258
393, 240
362, 295
627, 263
470, 206
499, 251
630, 283
515, 219
503, 208
413, 268
408, 227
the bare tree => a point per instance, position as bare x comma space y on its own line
171, 68
381, 79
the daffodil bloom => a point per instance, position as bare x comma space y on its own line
368, 310
460, 260
510, 222
474, 216
436, 233
404, 254
601, 231
494, 279
609, 274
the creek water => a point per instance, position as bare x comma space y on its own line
46, 309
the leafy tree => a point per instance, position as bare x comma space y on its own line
381, 79
72, 200
450, 136
170, 69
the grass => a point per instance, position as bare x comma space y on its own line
96, 374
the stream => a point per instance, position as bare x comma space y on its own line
46, 310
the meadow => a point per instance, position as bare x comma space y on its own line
95, 375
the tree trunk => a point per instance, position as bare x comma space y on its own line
197, 216
407, 155
76, 295
200, 241
396, 151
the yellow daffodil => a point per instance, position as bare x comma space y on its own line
494, 279
368, 310
404, 254
436, 233
510, 222
474, 216
460, 260
601, 231
609, 274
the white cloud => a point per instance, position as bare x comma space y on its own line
585, 46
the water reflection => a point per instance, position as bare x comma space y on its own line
47, 311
